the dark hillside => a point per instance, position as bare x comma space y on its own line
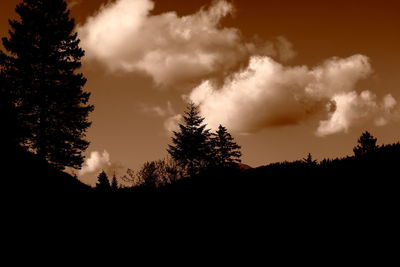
24, 172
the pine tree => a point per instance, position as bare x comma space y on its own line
191, 147
103, 184
41, 66
226, 151
114, 184
366, 145
309, 160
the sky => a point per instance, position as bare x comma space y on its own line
286, 77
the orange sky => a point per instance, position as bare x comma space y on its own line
318, 31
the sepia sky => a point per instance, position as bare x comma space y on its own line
286, 77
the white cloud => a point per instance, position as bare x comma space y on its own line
95, 163
171, 49
172, 119
268, 94
356, 109
171, 124
389, 102
158, 111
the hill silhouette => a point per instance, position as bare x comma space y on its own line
25, 172
370, 180
367, 177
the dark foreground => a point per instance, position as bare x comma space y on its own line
374, 176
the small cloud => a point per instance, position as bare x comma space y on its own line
285, 49
95, 163
172, 123
172, 119
158, 111
355, 109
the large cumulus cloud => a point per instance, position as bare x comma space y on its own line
268, 94
125, 36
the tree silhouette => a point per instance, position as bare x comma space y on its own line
309, 160
226, 151
191, 147
103, 184
130, 178
41, 63
148, 174
6, 116
10, 131
366, 144
114, 184
171, 171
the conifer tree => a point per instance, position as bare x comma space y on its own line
226, 151
309, 160
114, 183
191, 147
366, 144
41, 68
103, 184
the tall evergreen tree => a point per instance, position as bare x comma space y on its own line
103, 184
366, 144
191, 147
41, 66
114, 183
226, 151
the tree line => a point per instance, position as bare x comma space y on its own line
194, 150
196, 153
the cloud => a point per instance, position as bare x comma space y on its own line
124, 36
356, 109
95, 163
171, 124
284, 49
158, 111
268, 94
172, 119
